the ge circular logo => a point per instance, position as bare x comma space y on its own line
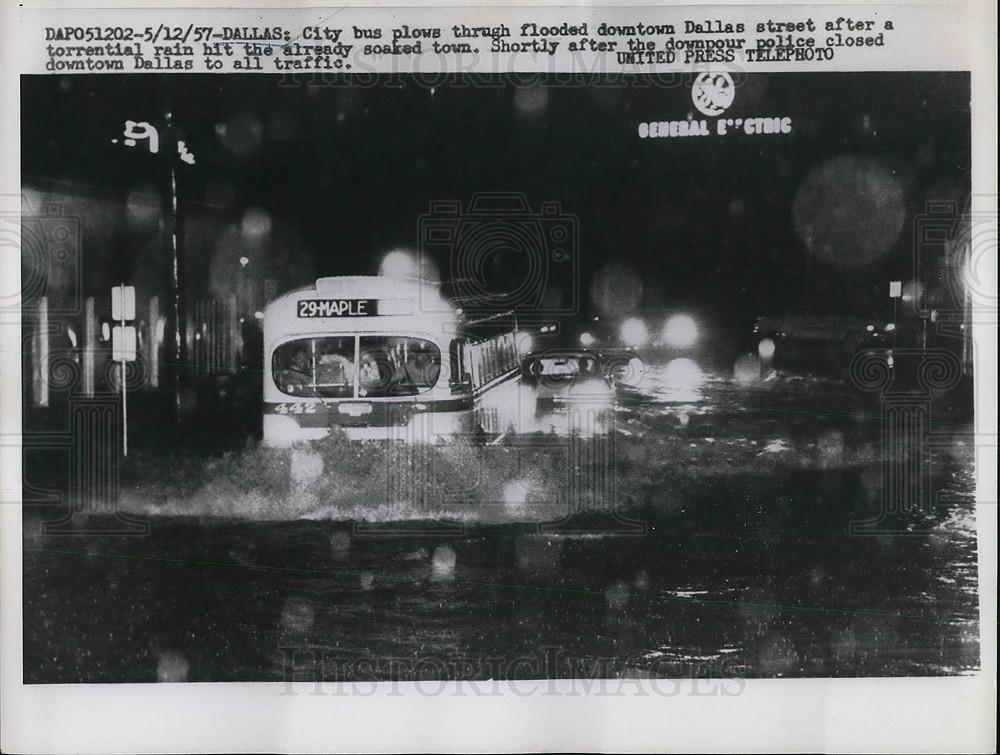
712, 93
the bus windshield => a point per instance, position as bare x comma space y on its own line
324, 367
392, 366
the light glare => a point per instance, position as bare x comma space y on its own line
680, 331
683, 374
766, 349
634, 332
399, 264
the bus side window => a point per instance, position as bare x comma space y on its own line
470, 362
467, 360
454, 361
501, 354
457, 363
484, 360
475, 364
492, 358
510, 352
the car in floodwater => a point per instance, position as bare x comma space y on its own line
581, 377
803, 329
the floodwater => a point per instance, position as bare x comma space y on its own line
729, 555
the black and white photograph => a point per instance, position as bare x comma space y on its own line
389, 378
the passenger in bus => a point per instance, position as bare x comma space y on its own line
333, 368
370, 375
420, 370
297, 376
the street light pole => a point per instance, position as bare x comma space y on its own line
176, 150
177, 303
124, 376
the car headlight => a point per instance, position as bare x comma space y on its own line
680, 331
634, 332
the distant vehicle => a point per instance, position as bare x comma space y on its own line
809, 327
562, 377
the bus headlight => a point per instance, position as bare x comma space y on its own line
279, 431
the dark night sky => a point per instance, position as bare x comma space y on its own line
343, 172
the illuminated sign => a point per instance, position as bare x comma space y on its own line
123, 343
123, 303
354, 307
712, 93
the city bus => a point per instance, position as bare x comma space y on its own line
382, 358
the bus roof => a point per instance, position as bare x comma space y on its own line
366, 286
370, 300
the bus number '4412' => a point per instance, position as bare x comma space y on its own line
296, 408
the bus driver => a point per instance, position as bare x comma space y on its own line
297, 375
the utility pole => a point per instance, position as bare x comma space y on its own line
136, 132
123, 340
178, 330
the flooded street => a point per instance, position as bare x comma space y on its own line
372, 356
727, 552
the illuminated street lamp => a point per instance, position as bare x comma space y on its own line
634, 332
680, 331
398, 264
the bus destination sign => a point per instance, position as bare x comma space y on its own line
338, 308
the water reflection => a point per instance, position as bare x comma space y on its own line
748, 574
680, 381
